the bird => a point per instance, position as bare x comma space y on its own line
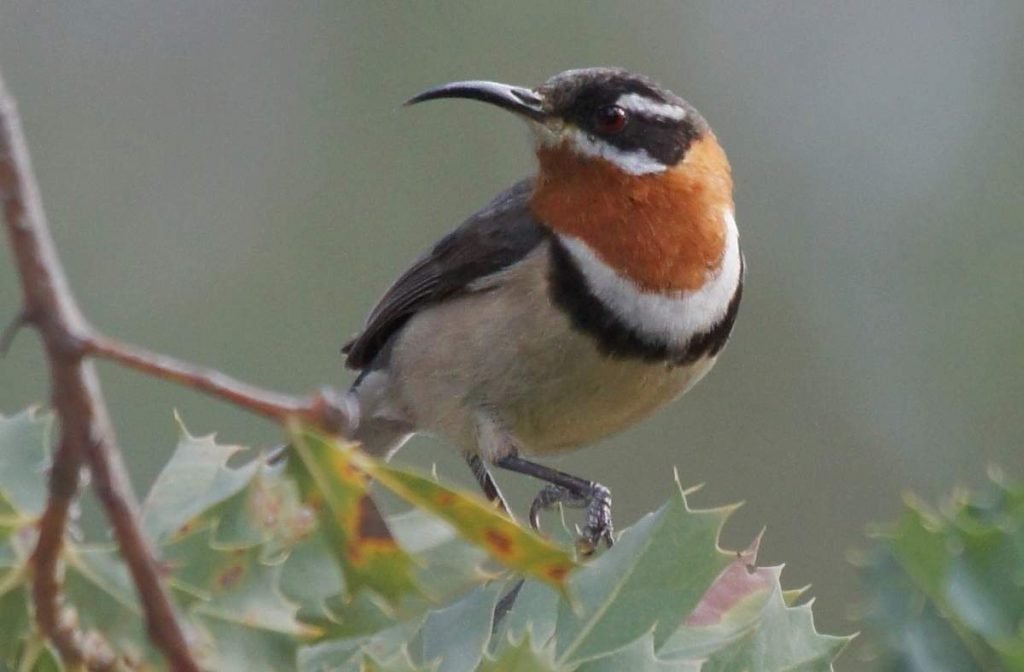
571, 306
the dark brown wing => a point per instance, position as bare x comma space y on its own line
496, 237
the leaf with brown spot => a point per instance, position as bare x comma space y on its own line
230, 576
477, 521
334, 485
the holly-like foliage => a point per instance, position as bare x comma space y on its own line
947, 584
284, 561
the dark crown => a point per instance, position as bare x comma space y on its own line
656, 120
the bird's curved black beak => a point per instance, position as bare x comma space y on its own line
512, 98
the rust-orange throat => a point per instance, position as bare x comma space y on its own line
665, 231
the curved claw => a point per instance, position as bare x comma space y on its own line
569, 490
598, 503
547, 498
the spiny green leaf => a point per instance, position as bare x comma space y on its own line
731, 620
400, 662
254, 504
364, 613
244, 592
534, 614
47, 661
94, 580
309, 576
269, 512
24, 456
235, 647
652, 578
349, 653
948, 582
15, 624
243, 620
478, 522
521, 656
471, 618
194, 480
733, 605
332, 485
10, 518
252, 556
13, 524
638, 656
784, 639
744, 622
792, 595
235, 614
912, 632
98, 584
35, 656
446, 565
445, 568
234, 585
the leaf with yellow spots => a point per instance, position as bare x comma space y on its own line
334, 486
263, 561
478, 522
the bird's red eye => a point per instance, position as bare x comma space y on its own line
609, 120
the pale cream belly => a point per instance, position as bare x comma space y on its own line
508, 356
595, 397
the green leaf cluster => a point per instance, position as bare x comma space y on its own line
285, 562
947, 583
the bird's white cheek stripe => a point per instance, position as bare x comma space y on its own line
665, 318
636, 162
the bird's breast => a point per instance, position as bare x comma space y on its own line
666, 232
626, 322
511, 352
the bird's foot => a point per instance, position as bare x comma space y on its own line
572, 491
598, 526
596, 499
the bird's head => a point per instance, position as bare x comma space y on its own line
626, 166
607, 114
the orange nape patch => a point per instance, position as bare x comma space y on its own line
664, 231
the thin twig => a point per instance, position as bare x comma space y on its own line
86, 432
325, 409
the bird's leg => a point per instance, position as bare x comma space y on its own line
493, 495
548, 497
487, 484
572, 491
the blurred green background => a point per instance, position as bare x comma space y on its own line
234, 183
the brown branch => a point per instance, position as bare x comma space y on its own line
325, 409
46, 556
86, 432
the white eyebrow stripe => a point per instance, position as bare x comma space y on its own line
635, 162
634, 102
